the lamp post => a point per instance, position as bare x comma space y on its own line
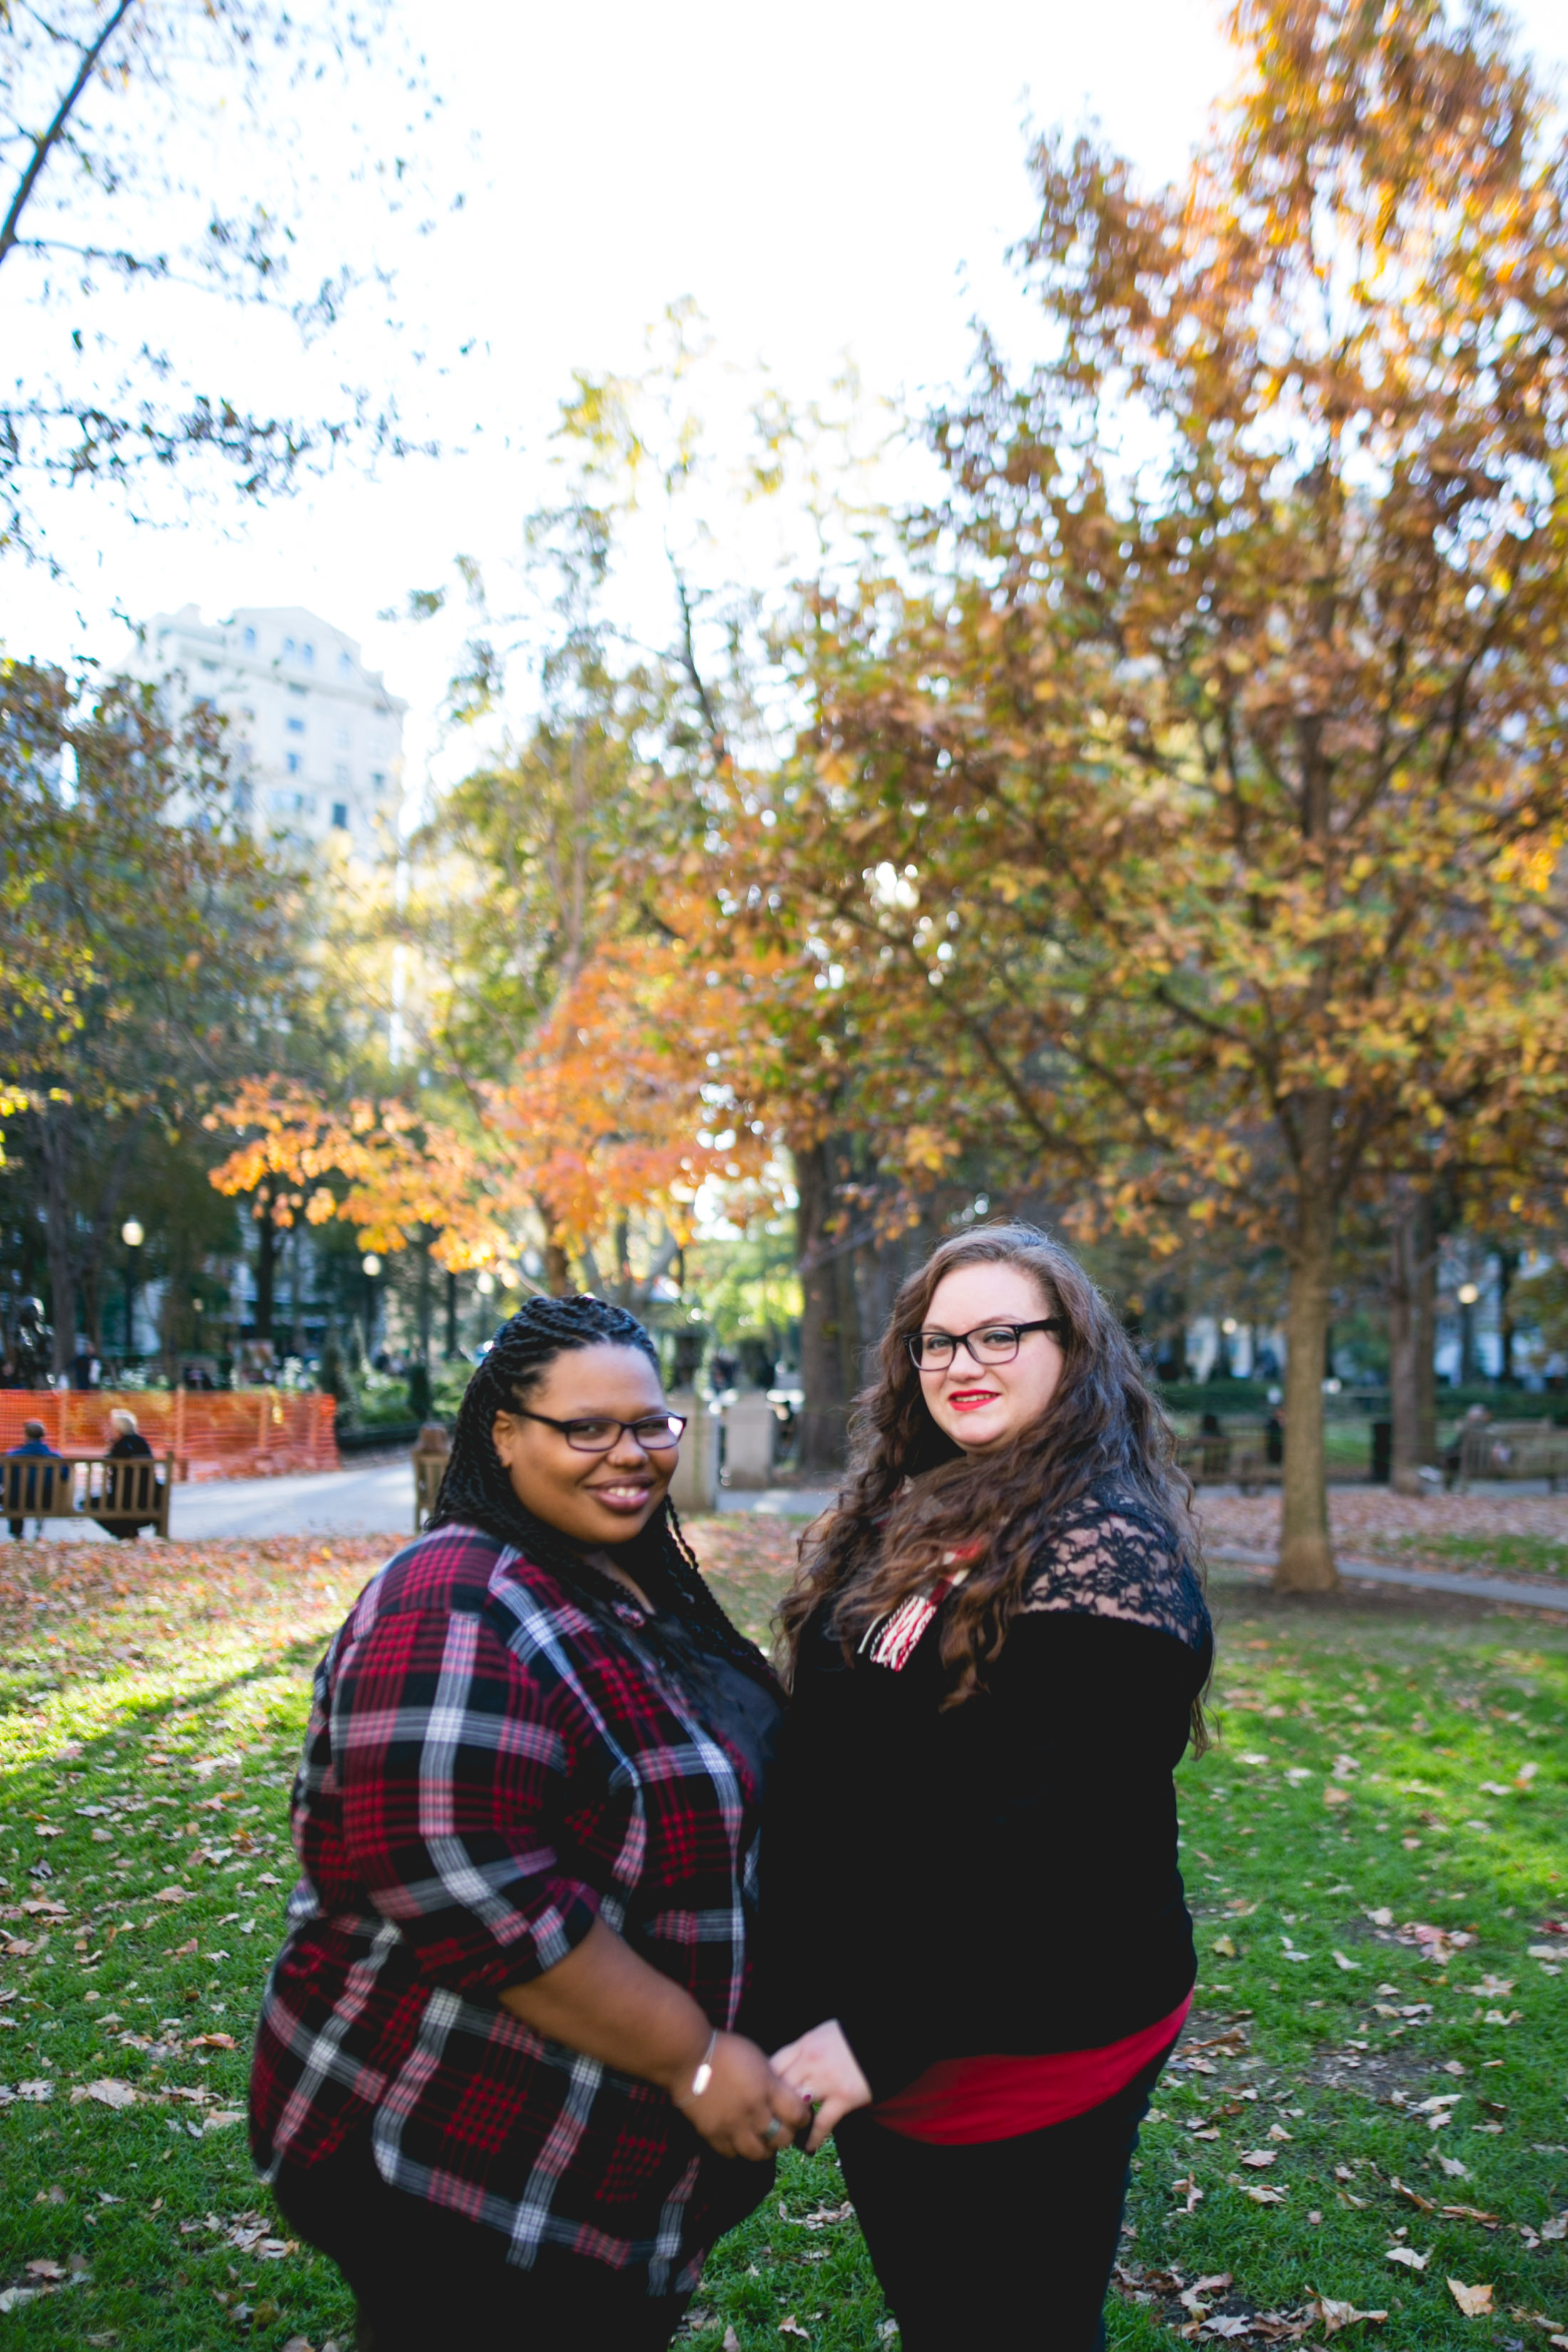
370, 1266
132, 1234
1468, 1293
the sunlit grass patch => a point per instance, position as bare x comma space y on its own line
1373, 1775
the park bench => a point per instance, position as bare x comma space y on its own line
1237, 1457
1509, 1449
133, 1488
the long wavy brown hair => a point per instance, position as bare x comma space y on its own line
913, 1497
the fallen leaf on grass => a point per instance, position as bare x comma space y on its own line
732, 2341
1335, 2315
1408, 2256
38, 2090
791, 2327
11, 2297
1260, 2158
1224, 1947
42, 2267
1556, 2230
107, 2092
1475, 2302
224, 2115
1352, 1967
216, 2041
1264, 2196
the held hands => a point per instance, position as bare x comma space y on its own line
745, 2108
821, 2066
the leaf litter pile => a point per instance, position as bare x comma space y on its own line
1364, 2134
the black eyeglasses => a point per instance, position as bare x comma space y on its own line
988, 1343
655, 1433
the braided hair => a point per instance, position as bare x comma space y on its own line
478, 1492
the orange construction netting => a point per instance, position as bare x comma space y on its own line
212, 1433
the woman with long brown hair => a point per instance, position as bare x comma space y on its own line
976, 1932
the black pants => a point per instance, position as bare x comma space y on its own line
1009, 2243
428, 2280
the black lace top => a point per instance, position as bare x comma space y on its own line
999, 1877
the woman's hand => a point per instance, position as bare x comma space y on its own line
744, 2103
605, 1999
822, 2067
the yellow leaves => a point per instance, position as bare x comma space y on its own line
927, 1150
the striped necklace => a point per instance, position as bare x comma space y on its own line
893, 1639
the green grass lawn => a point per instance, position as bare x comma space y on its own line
1350, 2092
1538, 1555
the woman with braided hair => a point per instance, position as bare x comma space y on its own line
499, 2077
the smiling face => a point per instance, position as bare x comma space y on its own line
981, 1406
593, 1498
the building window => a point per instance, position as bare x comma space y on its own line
295, 725
292, 762
378, 780
288, 648
340, 816
307, 655
346, 665
247, 639
340, 772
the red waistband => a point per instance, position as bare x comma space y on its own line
961, 2101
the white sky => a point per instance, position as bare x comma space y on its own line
842, 177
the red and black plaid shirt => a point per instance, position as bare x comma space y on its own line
485, 1772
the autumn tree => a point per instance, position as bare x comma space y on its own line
1185, 816
149, 949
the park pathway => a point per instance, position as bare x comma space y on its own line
372, 1499
1540, 1592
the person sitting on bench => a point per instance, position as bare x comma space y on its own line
129, 1445
39, 1491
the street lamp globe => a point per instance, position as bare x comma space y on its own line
485, 1284
1469, 1294
371, 1264
131, 1234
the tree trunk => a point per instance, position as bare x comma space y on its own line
55, 1138
1508, 1266
265, 1263
1412, 1277
829, 1325
451, 1315
1426, 1362
1305, 1555
557, 1269
426, 1314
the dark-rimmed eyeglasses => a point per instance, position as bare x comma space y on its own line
655, 1432
988, 1343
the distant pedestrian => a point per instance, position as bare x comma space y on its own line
38, 1490
974, 1921
129, 1445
